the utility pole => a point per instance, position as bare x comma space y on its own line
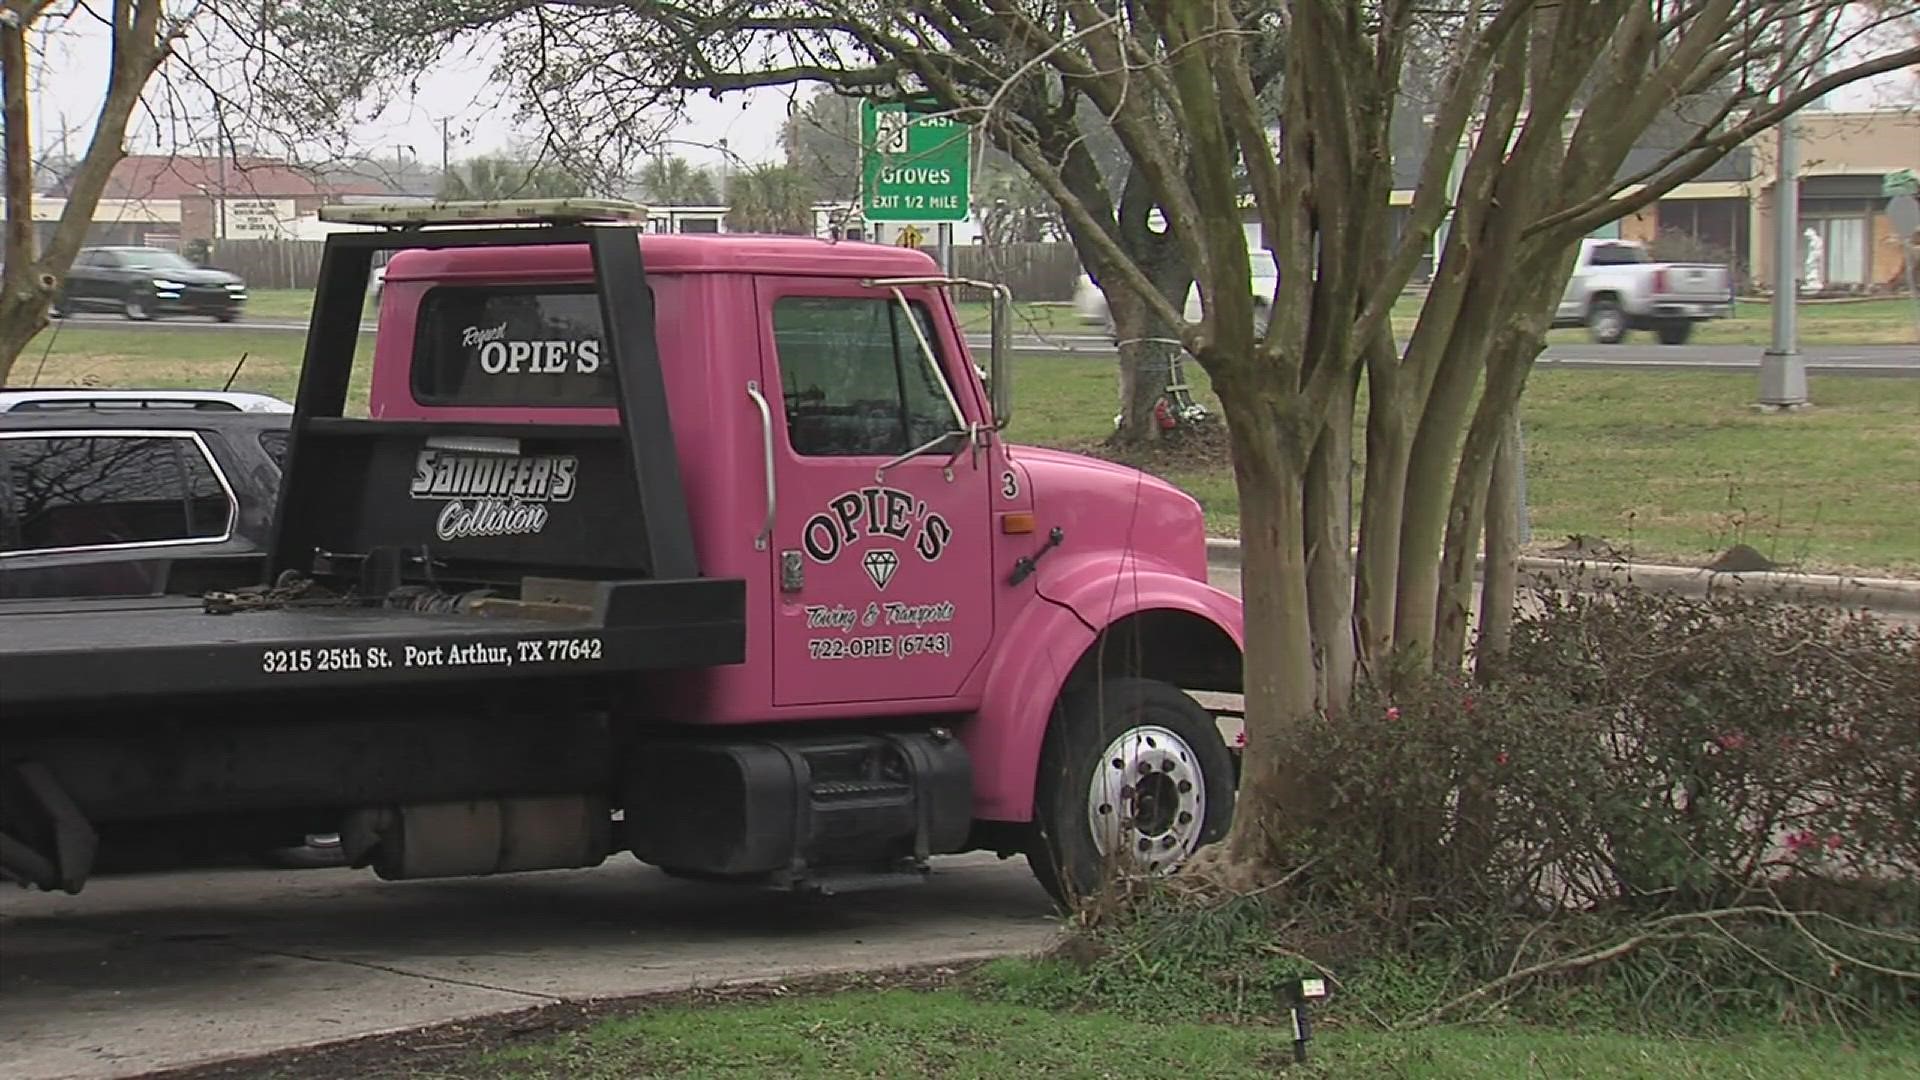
221, 149
1783, 372
446, 148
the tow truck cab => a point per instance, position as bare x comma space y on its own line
942, 640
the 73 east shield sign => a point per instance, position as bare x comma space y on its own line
915, 164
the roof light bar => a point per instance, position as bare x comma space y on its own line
489, 212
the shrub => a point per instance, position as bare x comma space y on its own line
1751, 744
1675, 810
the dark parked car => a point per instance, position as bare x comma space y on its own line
133, 501
142, 282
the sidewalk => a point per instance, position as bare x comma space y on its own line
1892, 595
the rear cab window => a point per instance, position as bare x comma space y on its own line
1618, 255
511, 346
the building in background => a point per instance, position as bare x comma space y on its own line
172, 200
1716, 216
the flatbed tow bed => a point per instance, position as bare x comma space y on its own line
77, 650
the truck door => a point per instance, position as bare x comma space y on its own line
880, 556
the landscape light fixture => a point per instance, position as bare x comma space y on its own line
1300, 994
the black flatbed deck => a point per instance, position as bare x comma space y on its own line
76, 650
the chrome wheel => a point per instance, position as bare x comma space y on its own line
1147, 800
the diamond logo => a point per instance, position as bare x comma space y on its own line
880, 567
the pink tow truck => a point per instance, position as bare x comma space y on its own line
705, 548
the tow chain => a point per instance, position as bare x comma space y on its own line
290, 589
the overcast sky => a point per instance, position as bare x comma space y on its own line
71, 77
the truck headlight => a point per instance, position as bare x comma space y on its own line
168, 286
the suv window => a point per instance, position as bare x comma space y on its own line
854, 377
97, 490
503, 345
275, 444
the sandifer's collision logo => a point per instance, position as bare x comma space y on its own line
492, 494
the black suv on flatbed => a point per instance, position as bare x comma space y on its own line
129, 502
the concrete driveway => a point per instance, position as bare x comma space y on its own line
145, 973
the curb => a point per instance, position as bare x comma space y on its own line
1872, 593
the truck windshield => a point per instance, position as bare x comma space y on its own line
511, 345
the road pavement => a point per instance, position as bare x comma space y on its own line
137, 974
1893, 360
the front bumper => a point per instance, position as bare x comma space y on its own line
1690, 310
199, 300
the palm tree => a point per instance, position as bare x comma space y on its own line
770, 199
507, 178
671, 181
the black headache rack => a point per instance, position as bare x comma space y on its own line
422, 552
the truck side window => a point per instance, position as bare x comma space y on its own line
81, 491
854, 378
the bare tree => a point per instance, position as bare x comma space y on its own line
1527, 130
142, 38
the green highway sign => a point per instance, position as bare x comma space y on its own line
913, 167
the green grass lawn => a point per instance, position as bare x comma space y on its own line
1891, 321
1675, 463
1887, 321
1884, 321
89, 353
950, 1033
279, 304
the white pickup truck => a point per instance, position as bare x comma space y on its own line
1616, 287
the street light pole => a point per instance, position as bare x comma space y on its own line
1783, 372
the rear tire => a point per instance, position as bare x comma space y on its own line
1606, 322
57, 307
1675, 332
1093, 814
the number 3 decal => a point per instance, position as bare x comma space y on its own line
1009, 484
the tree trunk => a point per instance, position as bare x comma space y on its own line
22, 299
1143, 379
1328, 535
1508, 362
1425, 506
1500, 579
138, 49
21, 317
1148, 349
1382, 495
1275, 785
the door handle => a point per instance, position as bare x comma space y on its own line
766, 442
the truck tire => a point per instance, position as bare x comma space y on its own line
1090, 816
1674, 331
1606, 321
135, 308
